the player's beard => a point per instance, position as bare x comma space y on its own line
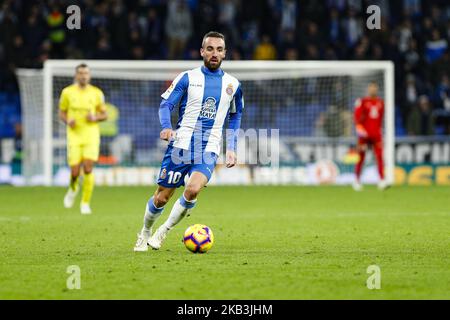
83, 83
213, 67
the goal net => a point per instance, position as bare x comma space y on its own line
297, 123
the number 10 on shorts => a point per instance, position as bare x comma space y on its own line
174, 177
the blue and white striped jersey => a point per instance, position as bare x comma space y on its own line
205, 98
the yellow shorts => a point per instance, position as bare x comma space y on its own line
76, 153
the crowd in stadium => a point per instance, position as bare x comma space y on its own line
414, 34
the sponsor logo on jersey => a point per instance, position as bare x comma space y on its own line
209, 109
229, 89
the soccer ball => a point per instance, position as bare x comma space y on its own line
198, 238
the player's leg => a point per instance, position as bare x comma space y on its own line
186, 202
200, 173
88, 186
155, 206
153, 211
90, 152
378, 151
361, 148
74, 160
171, 177
188, 199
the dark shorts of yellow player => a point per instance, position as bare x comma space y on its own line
78, 152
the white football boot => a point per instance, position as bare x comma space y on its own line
69, 198
357, 186
382, 185
158, 238
85, 208
142, 242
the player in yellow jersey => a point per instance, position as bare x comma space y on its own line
81, 107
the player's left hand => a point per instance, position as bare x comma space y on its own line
231, 159
361, 132
91, 117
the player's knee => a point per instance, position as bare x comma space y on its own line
161, 199
192, 190
88, 167
75, 171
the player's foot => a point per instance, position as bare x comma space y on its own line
69, 198
382, 185
158, 238
142, 242
85, 208
357, 186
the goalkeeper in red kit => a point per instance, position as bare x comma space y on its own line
368, 117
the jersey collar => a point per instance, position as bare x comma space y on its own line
218, 72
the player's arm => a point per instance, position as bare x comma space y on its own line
358, 119
100, 110
234, 124
170, 98
63, 107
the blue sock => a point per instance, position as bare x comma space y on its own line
152, 216
152, 208
187, 204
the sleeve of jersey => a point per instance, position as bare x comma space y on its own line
101, 102
164, 114
171, 97
357, 112
360, 130
177, 89
63, 101
234, 119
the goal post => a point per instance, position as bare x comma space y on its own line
309, 102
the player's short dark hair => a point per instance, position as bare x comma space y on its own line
213, 34
81, 65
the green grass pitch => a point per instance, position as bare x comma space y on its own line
270, 243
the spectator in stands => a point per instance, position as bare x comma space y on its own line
435, 47
421, 119
33, 34
312, 52
334, 27
412, 8
439, 68
152, 33
227, 20
291, 54
288, 15
443, 93
103, 50
352, 28
409, 95
56, 24
405, 34
178, 28
265, 49
286, 42
411, 57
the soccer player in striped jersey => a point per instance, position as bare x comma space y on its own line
208, 99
